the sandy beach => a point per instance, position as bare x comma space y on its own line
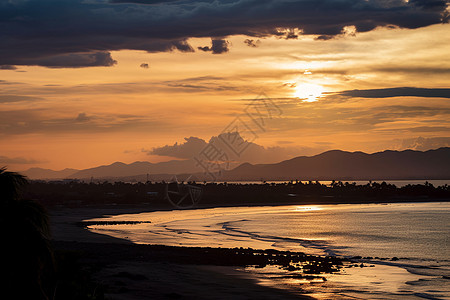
250, 252
128, 271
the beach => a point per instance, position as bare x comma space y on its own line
129, 271
227, 240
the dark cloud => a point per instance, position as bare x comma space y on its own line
252, 43
7, 67
144, 66
82, 117
64, 60
218, 46
324, 37
78, 33
398, 92
74, 60
204, 48
421, 70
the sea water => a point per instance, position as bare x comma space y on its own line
417, 234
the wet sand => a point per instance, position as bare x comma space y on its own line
130, 271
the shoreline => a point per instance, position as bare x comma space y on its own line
66, 221
124, 255
120, 262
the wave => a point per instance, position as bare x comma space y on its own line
230, 230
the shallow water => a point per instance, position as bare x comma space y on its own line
417, 233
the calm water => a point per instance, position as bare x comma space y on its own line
417, 233
398, 183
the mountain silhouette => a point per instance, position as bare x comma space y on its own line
342, 165
120, 169
330, 165
39, 173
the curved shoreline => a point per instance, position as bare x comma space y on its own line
120, 260
177, 255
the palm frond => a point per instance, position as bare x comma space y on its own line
11, 183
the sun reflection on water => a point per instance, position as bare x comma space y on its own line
308, 208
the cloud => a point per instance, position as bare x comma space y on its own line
7, 67
144, 66
4, 82
398, 92
422, 143
219, 46
82, 117
16, 160
78, 33
73, 60
421, 70
191, 147
253, 153
17, 98
32, 121
252, 43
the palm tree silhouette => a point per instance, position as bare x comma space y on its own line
27, 258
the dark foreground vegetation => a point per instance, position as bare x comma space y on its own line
75, 194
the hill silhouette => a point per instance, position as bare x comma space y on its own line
342, 165
330, 165
116, 170
40, 173
119, 169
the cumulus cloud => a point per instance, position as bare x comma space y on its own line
78, 33
192, 146
253, 153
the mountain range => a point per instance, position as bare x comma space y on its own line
342, 165
330, 165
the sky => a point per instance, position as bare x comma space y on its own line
88, 83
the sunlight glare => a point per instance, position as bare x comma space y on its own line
308, 92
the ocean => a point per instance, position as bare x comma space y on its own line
405, 245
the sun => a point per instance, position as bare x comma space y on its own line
308, 92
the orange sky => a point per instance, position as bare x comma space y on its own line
84, 117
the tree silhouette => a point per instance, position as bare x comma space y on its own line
10, 185
26, 253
